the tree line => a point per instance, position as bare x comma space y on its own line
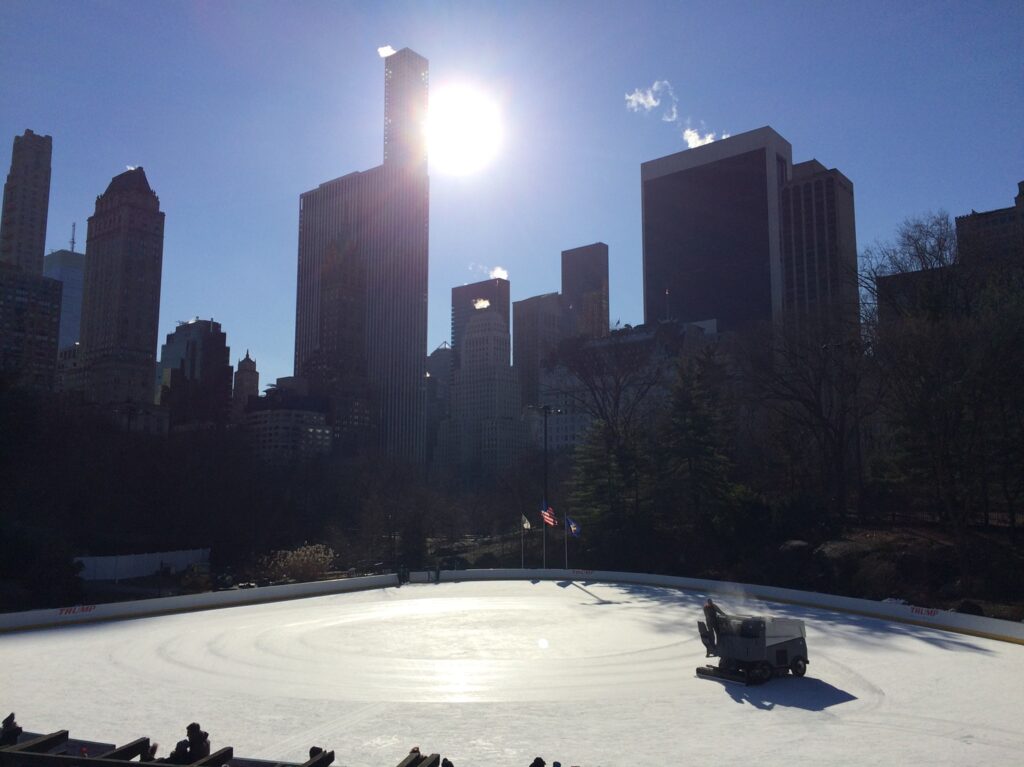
701, 461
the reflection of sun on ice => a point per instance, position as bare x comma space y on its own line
464, 130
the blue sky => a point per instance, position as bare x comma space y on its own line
236, 108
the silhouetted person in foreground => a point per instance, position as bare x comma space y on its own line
180, 754
537, 762
315, 751
198, 742
10, 731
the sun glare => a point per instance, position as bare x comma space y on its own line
464, 130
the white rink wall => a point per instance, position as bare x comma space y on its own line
991, 628
62, 616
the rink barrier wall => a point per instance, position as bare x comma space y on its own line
974, 625
211, 600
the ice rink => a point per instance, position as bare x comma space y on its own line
495, 673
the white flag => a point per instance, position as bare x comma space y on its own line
526, 522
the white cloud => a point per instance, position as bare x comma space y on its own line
498, 273
481, 303
385, 50
695, 139
646, 99
662, 94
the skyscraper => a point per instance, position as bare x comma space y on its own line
121, 293
194, 374
819, 247
539, 326
469, 300
734, 232
484, 400
361, 307
247, 384
29, 324
711, 238
26, 203
585, 290
29, 302
68, 268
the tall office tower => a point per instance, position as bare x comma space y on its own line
194, 374
406, 87
585, 290
485, 399
121, 292
29, 326
539, 326
361, 306
993, 237
68, 268
819, 248
247, 384
468, 300
26, 202
711, 239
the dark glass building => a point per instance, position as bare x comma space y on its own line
68, 268
539, 326
711, 244
194, 375
361, 307
585, 290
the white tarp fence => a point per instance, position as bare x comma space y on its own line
139, 565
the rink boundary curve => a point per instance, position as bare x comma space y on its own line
54, 617
926, 617
988, 628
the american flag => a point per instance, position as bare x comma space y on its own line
548, 516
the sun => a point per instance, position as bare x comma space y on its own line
464, 130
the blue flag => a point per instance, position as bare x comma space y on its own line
572, 527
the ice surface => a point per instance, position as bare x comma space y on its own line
499, 672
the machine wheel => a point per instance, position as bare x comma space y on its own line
761, 672
798, 667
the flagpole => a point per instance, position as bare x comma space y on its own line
565, 522
522, 547
546, 409
545, 526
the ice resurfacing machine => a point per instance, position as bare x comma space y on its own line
751, 649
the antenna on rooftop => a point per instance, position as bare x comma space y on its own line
72, 236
